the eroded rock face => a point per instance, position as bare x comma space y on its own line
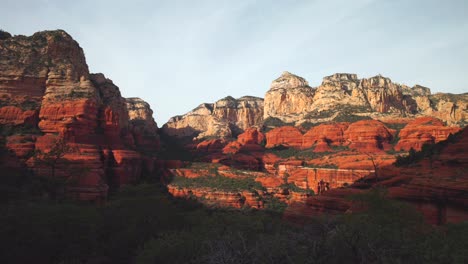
143, 126
225, 118
286, 136
291, 100
288, 95
325, 133
368, 136
424, 130
48, 94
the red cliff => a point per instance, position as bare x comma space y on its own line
47, 94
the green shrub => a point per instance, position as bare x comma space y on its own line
271, 122
4, 35
349, 117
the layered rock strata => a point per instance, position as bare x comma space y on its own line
47, 95
225, 118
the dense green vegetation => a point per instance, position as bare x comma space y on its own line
4, 34
294, 188
272, 122
348, 117
286, 152
140, 224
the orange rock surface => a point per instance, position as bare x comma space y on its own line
251, 136
286, 136
368, 136
325, 133
424, 130
16, 116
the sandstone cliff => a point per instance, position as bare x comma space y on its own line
48, 94
344, 97
289, 95
225, 118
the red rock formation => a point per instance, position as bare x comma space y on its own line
251, 136
232, 147
16, 116
211, 146
218, 198
47, 93
270, 161
437, 187
242, 161
353, 160
368, 136
285, 136
248, 142
424, 130
325, 133
309, 178
22, 146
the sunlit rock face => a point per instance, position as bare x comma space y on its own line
424, 130
225, 118
293, 101
289, 95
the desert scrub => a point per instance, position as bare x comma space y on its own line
218, 183
284, 152
272, 122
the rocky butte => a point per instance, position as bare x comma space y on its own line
47, 94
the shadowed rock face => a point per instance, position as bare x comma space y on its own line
47, 93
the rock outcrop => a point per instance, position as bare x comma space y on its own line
424, 130
47, 95
342, 95
143, 126
330, 134
225, 118
369, 136
289, 96
286, 136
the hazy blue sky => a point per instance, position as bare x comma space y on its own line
178, 54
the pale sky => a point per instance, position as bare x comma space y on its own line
179, 54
